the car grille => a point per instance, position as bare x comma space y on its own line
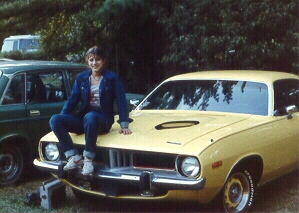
118, 159
122, 158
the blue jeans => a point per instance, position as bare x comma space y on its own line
92, 124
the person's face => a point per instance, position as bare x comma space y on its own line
96, 63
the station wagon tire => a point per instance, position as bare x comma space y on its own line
11, 164
238, 192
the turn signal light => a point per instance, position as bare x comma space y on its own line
217, 164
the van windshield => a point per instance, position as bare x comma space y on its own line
9, 46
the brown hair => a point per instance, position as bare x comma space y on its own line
97, 51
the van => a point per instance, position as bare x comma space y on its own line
23, 43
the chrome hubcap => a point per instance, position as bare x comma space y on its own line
236, 193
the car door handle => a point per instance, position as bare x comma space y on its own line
34, 113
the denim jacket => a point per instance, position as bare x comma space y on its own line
111, 89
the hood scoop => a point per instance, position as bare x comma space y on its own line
176, 124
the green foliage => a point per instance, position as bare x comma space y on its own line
148, 41
232, 35
18, 55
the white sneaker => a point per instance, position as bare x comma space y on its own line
74, 162
88, 167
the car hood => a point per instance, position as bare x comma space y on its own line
182, 130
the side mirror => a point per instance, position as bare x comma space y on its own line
291, 109
286, 110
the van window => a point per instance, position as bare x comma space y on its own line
22, 43
26, 44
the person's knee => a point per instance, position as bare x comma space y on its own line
91, 118
54, 120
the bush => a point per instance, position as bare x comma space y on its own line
18, 55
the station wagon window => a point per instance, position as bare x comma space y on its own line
73, 75
45, 87
286, 93
210, 95
15, 92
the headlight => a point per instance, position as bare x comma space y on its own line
51, 152
190, 166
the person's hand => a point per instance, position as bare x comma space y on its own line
125, 131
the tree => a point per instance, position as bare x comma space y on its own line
125, 27
148, 41
135, 41
46, 18
247, 34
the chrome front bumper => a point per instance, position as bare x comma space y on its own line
145, 178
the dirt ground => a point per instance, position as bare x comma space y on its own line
278, 196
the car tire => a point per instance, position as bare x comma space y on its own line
11, 164
238, 192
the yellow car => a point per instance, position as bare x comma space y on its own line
196, 137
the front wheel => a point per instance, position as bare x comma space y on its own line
11, 164
238, 192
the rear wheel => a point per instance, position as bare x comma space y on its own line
11, 164
238, 192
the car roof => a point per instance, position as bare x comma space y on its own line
244, 75
10, 67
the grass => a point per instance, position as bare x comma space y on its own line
281, 195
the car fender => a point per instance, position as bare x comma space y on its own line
20, 140
218, 162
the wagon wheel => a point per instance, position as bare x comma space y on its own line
11, 164
238, 192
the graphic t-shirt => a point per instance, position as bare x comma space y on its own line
95, 95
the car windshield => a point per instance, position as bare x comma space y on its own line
210, 95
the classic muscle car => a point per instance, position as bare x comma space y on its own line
203, 135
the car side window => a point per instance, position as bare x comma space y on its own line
286, 93
72, 75
45, 87
14, 93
